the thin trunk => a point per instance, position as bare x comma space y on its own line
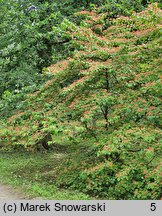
107, 82
105, 114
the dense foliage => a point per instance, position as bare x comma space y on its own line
103, 98
32, 36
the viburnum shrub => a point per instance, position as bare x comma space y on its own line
128, 160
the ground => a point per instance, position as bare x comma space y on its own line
7, 192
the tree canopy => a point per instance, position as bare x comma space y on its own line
86, 75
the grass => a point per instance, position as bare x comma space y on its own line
28, 172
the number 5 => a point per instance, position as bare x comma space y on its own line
153, 207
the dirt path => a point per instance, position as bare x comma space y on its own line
7, 192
